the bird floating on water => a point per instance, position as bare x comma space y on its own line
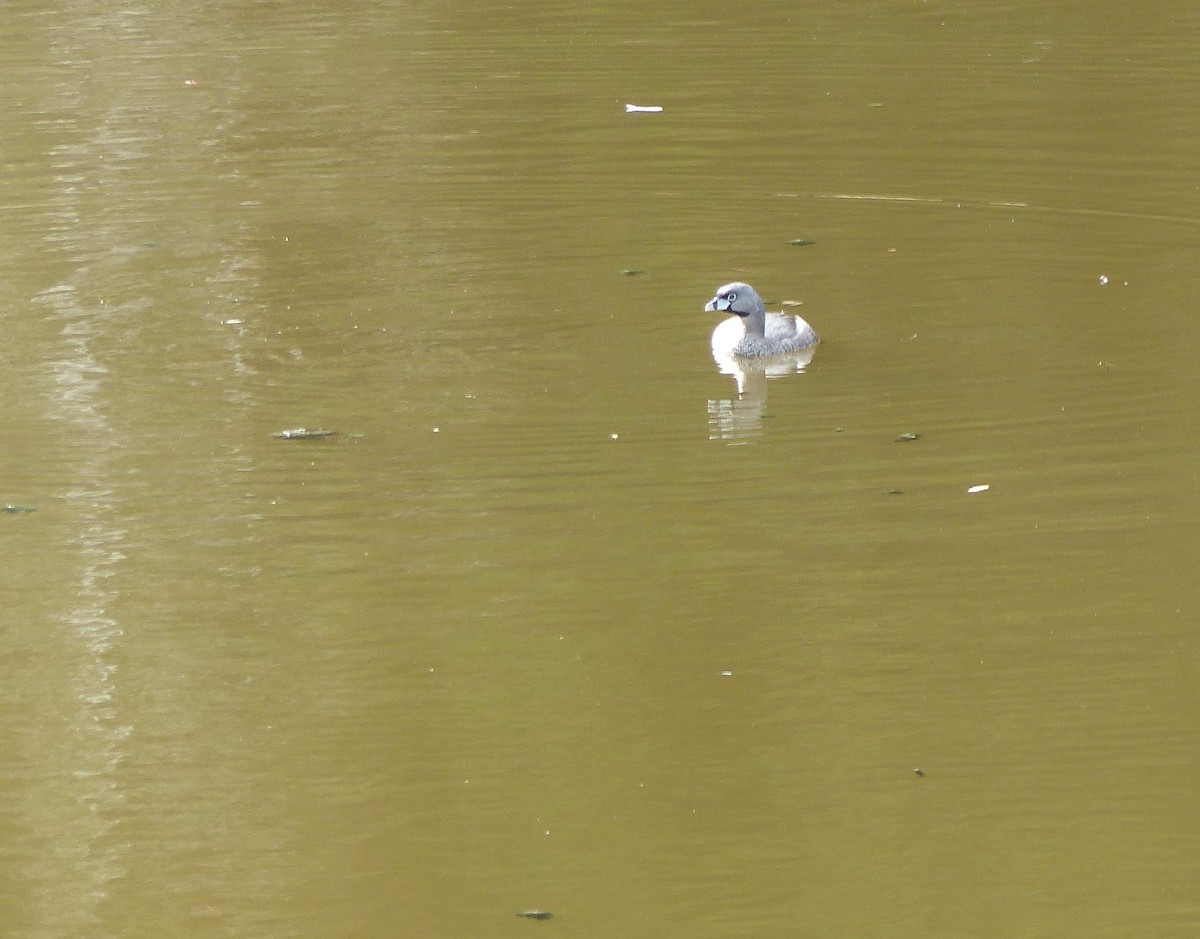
752, 331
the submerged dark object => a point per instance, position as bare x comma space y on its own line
535, 914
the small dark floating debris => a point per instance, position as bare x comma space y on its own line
895, 492
920, 772
801, 242
13, 509
303, 433
904, 438
536, 914
632, 271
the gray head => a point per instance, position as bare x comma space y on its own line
738, 298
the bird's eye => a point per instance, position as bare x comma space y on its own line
731, 296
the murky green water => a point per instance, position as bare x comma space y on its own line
558, 620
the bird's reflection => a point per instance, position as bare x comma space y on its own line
738, 419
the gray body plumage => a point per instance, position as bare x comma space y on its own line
752, 331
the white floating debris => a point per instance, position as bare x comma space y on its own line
231, 322
303, 433
614, 436
726, 674
983, 488
1103, 280
642, 109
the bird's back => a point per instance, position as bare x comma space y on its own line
789, 332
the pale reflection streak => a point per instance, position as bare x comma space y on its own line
80, 800
75, 801
102, 119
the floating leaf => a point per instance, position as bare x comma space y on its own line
801, 242
904, 438
632, 271
535, 914
13, 509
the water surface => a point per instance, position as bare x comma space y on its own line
558, 620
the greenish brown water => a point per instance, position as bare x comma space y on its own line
557, 620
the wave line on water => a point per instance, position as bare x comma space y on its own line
999, 204
925, 200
